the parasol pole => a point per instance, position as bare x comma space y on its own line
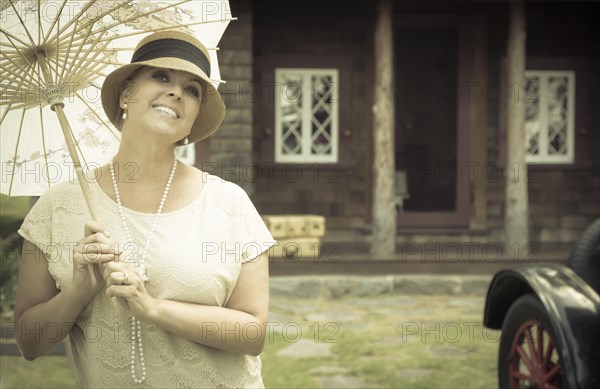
55, 98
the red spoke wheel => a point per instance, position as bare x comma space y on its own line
529, 355
534, 361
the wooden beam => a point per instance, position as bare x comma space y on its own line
479, 124
384, 209
516, 213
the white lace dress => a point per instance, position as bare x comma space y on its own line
196, 258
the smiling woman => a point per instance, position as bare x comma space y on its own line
166, 53
164, 102
173, 279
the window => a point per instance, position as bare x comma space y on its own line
306, 115
550, 116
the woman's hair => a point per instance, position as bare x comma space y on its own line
128, 81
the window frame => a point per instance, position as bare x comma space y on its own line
306, 155
545, 158
264, 105
579, 65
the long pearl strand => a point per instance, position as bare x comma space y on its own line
136, 325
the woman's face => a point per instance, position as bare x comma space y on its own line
163, 101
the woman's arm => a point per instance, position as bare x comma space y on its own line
44, 314
239, 327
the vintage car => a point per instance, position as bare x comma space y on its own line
549, 315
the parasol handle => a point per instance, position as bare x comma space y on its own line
54, 96
66, 128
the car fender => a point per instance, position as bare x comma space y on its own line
572, 306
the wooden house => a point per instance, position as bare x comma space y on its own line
300, 93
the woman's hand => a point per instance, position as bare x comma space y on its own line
123, 281
90, 252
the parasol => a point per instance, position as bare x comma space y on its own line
54, 56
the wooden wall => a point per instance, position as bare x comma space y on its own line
563, 199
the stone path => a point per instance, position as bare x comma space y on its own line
427, 315
371, 286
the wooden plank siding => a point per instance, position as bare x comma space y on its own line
563, 199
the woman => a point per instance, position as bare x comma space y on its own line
170, 287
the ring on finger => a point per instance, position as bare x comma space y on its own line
125, 279
90, 248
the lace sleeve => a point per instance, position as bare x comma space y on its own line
37, 226
253, 235
49, 225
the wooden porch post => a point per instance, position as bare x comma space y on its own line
479, 125
384, 208
516, 215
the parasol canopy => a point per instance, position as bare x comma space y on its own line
54, 56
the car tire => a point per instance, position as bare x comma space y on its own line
585, 257
525, 319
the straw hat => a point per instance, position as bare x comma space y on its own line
171, 50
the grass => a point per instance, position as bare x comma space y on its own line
431, 344
54, 371
46, 372
285, 372
474, 366
398, 351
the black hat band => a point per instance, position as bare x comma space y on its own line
169, 47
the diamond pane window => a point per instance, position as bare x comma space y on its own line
306, 115
550, 116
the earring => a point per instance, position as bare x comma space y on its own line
186, 140
124, 112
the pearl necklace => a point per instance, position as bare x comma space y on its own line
136, 325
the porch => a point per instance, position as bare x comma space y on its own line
417, 252
469, 132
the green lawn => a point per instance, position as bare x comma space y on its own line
441, 346
354, 351
386, 350
46, 372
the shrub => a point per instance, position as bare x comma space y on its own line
9, 270
12, 212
